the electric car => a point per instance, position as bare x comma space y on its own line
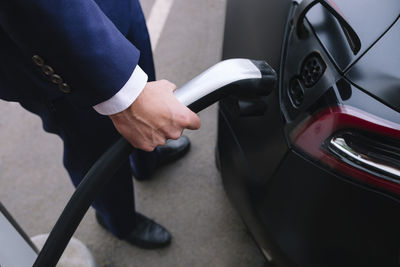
313, 169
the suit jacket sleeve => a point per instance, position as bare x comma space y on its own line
77, 39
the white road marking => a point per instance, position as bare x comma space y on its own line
157, 18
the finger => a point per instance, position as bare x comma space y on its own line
174, 134
161, 142
192, 122
172, 131
141, 145
147, 148
159, 139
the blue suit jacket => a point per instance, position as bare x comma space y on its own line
87, 43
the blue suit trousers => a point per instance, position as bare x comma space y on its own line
86, 134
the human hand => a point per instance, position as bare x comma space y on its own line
155, 116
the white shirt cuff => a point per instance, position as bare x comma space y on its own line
125, 97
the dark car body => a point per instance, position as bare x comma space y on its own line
313, 169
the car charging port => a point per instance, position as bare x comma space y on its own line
296, 92
312, 69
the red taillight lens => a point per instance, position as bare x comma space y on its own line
351, 141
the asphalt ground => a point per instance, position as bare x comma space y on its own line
186, 197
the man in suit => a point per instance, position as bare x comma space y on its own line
84, 67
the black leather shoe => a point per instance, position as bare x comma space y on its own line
143, 164
172, 150
147, 233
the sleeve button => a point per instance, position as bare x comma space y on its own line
38, 60
47, 70
55, 78
64, 87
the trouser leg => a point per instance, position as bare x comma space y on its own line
86, 136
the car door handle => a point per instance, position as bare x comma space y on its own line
306, 5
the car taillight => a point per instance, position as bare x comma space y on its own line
355, 143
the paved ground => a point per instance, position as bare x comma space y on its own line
186, 197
